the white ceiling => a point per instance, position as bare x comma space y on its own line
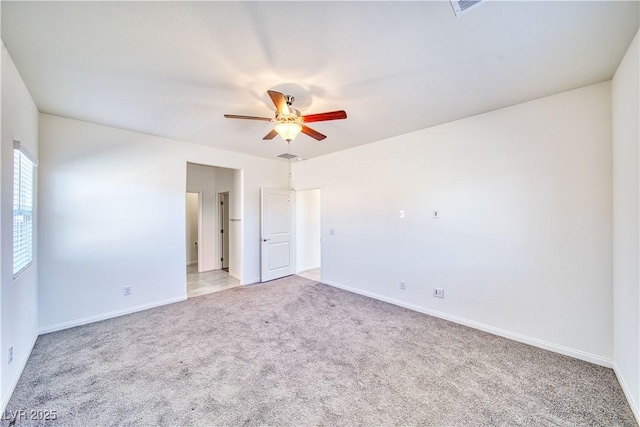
173, 69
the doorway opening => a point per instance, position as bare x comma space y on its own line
224, 230
213, 228
308, 233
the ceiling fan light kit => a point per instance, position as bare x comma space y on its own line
288, 130
289, 121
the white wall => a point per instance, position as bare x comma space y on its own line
224, 180
112, 213
626, 224
307, 229
237, 226
202, 179
523, 246
19, 304
192, 214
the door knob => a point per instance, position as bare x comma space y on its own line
264, 240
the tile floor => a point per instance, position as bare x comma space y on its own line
218, 280
208, 281
313, 274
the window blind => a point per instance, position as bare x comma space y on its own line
22, 211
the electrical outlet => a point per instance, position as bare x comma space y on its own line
126, 291
438, 292
10, 355
332, 232
403, 285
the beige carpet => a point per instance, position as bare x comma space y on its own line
298, 353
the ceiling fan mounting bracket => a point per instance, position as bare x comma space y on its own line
289, 99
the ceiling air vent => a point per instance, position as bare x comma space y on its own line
462, 6
287, 156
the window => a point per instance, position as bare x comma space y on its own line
23, 174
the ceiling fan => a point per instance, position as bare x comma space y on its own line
289, 122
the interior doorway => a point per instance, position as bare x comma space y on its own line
213, 208
308, 233
224, 230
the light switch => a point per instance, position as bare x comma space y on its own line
401, 214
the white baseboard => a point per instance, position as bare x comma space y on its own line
14, 382
627, 393
567, 351
109, 315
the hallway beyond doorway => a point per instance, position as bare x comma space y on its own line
313, 274
208, 281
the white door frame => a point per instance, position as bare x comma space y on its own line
236, 213
200, 254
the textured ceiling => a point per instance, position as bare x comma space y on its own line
173, 69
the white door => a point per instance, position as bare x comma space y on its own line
277, 225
